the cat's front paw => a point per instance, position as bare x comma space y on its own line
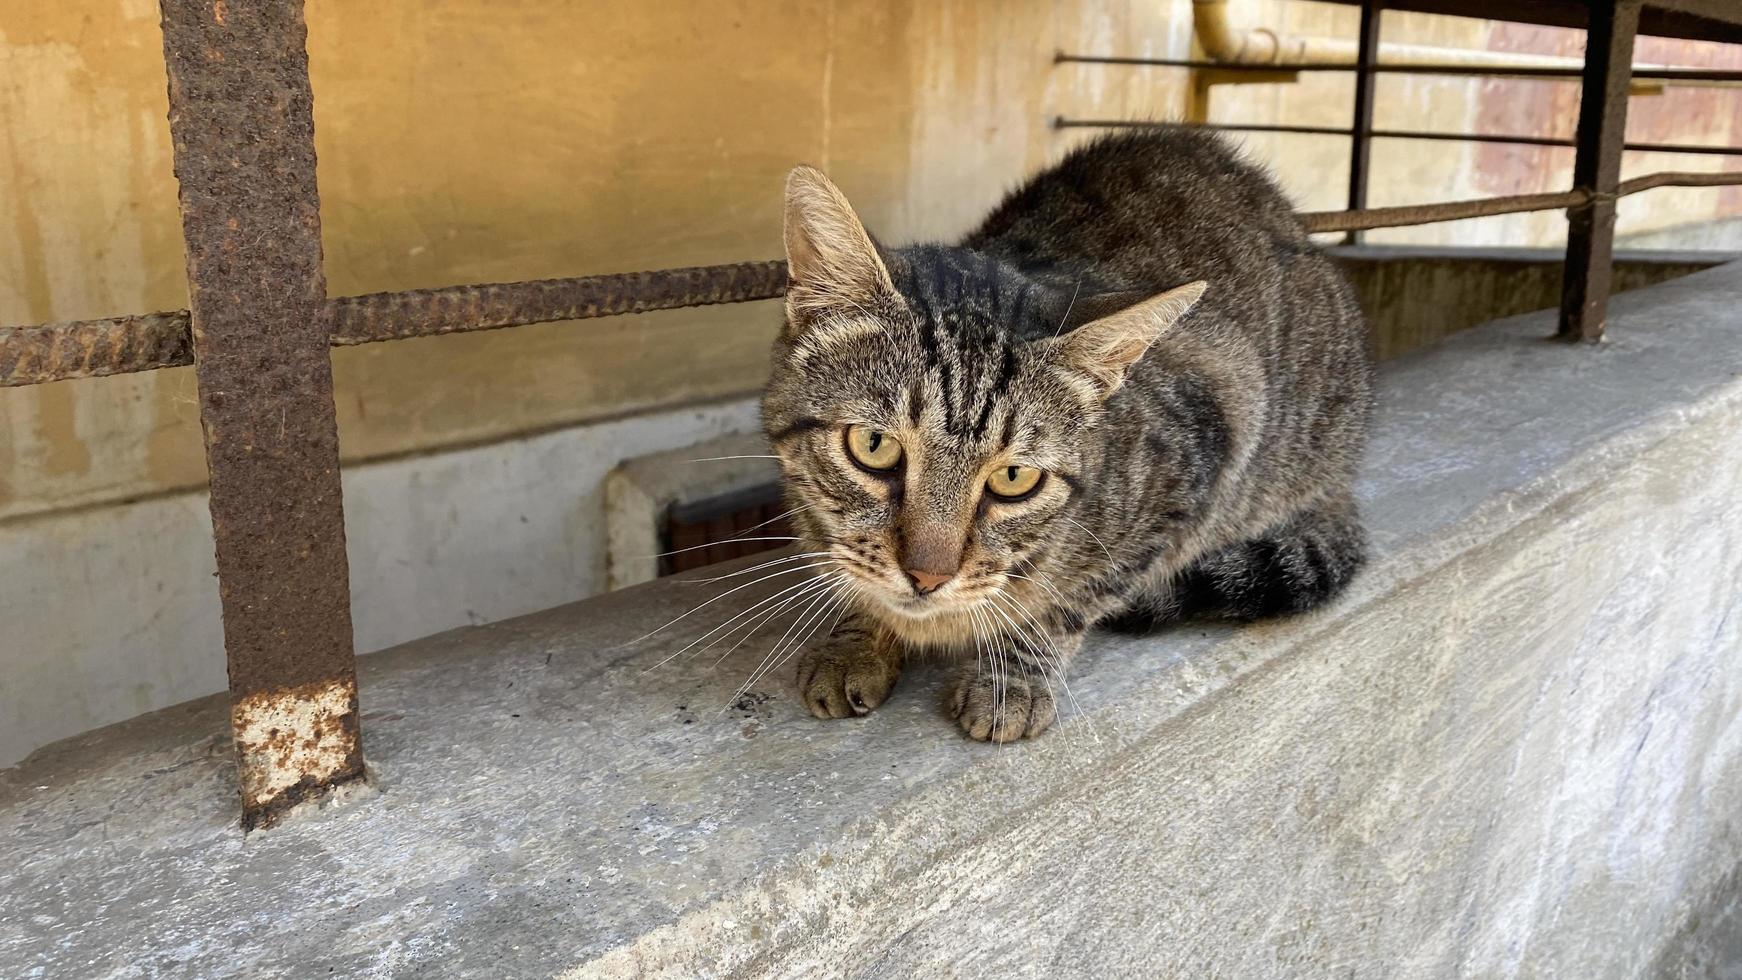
841, 680
998, 708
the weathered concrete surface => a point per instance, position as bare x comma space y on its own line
1514, 750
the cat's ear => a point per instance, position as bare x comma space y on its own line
1105, 349
831, 261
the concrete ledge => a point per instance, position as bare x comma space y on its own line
1515, 749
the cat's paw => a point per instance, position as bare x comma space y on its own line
838, 681
1002, 709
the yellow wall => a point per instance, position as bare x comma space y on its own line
465, 141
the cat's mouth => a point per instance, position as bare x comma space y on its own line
952, 599
892, 593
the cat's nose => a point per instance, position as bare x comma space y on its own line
927, 581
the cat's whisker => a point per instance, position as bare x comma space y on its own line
711, 544
1056, 594
784, 598
749, 629
783, 515
839, 605
756, 672
716, 459
1093, 537
1068, 308
1050, 658
822, 601
709, 602
737, 617
785, 559
1057, 662
813, 613
979, 639
752, 632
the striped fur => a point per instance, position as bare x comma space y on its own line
1198, 451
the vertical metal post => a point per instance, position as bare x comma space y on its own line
1597, 168
1361, 145
241, 119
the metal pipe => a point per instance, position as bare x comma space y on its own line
1223, 42
1361, 130
1570, 73
1062, 122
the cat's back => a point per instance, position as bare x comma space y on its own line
1147, 210
1279, 329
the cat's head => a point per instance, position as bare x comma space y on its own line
935, 411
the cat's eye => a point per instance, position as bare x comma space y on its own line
872, 449
1013, 482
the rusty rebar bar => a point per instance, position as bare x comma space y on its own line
1590, 268
453, 309
94, 348
241, 119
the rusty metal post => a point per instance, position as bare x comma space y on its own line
1597, 169
241, 118
1361, 140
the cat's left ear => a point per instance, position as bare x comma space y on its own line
1105, 349
831, 261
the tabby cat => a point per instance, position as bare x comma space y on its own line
1137, 392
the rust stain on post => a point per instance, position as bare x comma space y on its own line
243, 129
294, 743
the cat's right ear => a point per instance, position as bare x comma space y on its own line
1103, 350
831, 261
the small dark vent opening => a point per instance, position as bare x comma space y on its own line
704, 532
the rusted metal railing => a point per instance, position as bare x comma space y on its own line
1599, 142
241, 117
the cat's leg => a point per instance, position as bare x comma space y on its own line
1012, 689
851, 672
1298, 565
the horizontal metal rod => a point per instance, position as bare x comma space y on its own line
95, 348
1521, 71
453, 309
1423, 214
1063, 122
